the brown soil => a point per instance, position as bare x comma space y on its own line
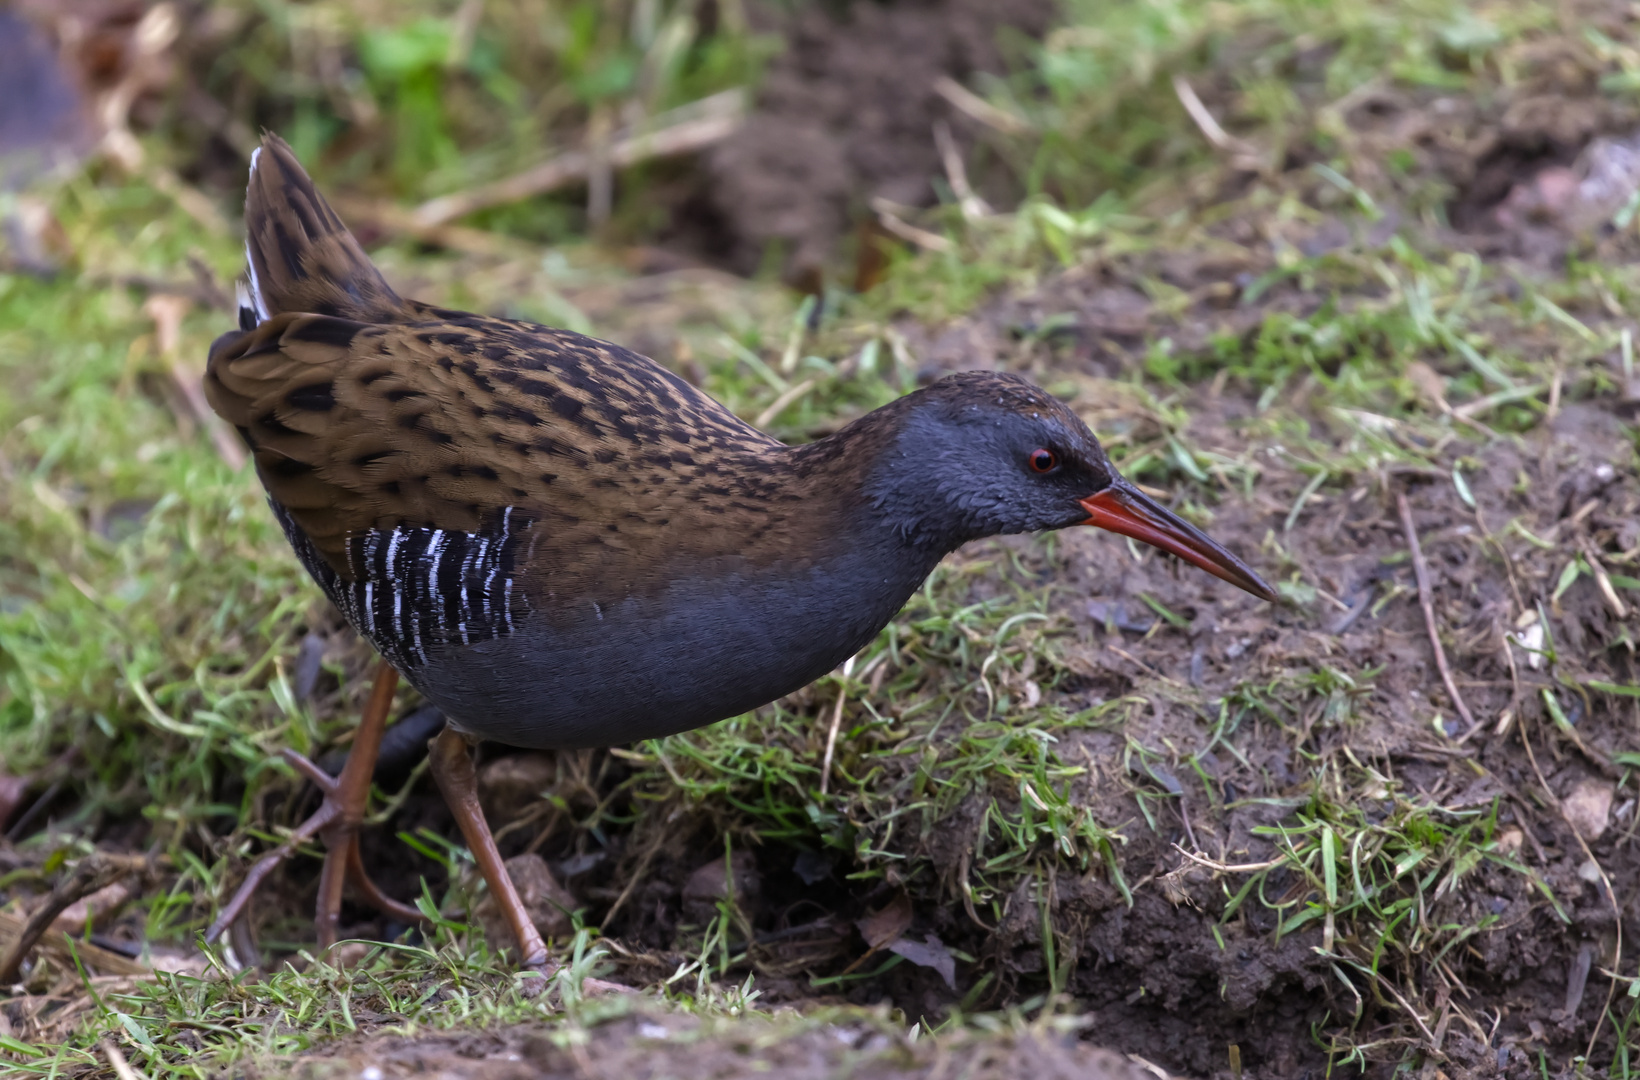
652, 1045
1267, 998
846, 114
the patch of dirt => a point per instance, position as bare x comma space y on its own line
846, 114
1158, 976
653, 1044
1348, 544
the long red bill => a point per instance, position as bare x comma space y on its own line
1123, 508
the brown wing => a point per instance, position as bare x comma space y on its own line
358, 426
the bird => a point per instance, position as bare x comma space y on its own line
563, 544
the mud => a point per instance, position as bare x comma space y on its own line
647, 1046
1156, 976
846, 114
1270, 999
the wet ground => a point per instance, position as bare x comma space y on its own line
652, 1045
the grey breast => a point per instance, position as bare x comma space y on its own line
619, 669
603, 668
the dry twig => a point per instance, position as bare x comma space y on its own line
956, 173
92, 873
1243, 155
116, 1060
167, 311
154, 34
836, 719
1230, 868
782, 403
975, 107
1604, 582
691, 129
392, 218
1426, 601
891, 221
831, 740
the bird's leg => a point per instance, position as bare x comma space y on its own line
372, 894
337, 820
369, 891
452, 767
350, 796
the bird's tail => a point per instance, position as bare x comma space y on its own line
301, 257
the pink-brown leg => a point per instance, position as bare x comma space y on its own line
337, 820
452, 768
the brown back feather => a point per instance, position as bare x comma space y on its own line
364, 411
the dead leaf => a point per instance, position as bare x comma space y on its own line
883, 927
929, 953
13, 789
167, 311
99, 906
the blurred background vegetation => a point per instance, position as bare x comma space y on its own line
829, 104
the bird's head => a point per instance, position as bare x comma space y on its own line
983, 453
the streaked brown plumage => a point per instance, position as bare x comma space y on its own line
561, 543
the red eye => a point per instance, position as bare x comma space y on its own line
1044, 461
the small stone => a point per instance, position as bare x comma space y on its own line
508, 786
707, 885
1588, 808
548, 903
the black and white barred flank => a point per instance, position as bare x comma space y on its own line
417, 589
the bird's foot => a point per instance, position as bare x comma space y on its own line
337, 820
